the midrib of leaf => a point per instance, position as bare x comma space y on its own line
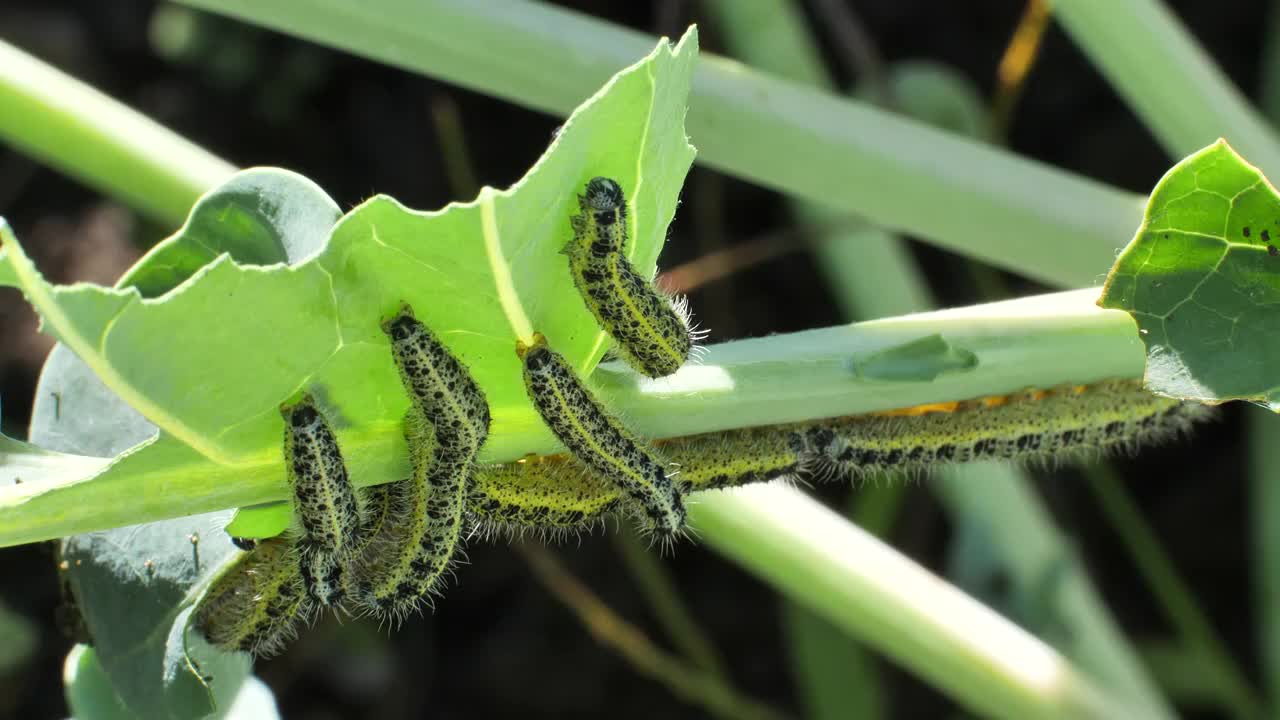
644, 143
503, 284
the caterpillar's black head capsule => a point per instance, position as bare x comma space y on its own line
602, 195
401, 325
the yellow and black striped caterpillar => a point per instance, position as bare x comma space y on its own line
559, 494
650, 329
324, 501
416, 525
600, 440
257, 601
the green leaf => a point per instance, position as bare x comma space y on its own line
134, 585
23, 463
90, 695
1202, 279
261, 216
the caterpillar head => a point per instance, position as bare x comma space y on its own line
602, 195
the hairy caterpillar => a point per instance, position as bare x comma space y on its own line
255, 604
417, 523
558, 494
651, 330
324, 500
598, 439
1080, 418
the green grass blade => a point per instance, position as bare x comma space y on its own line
110, 147
871, 274
1156, 65
1167, 78
859, 267
903, 176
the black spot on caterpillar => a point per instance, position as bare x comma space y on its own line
558, 495
417, 523
600, 440
257, 601
324, 500
650, 329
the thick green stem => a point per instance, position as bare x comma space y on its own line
1034, 342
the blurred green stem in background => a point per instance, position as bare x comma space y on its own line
110, 147
901, 175
1193, 629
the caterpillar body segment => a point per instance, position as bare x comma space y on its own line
417, 523
650, 330
255, 605
600, 440
324, 501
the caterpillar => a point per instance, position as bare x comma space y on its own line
1033, 424
560, 494
651, 330
599, 440
255, 604
417, 523
324, 500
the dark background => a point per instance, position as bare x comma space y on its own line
499, 644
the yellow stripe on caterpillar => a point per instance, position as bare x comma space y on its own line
651, 331
418, 522
256, 603
599, 439
324, 500
558, 494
